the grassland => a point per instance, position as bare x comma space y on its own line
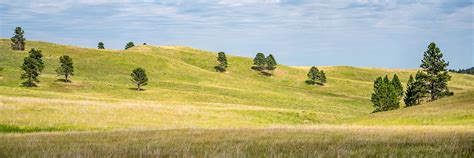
187, 99
305, 141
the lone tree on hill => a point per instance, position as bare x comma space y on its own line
259, 62
385, 96
139, 78
100, 45
316, 77
416, 90
66, 67
398, 86
129, 45
18, 41
222, 59
32, 65
437, 76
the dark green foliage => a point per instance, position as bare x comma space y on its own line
271, 63
398, 86
100, 45
315, 76
469, 71
222, 59
66, 67
32, 65
18, 41
437, 76
416, 90
129, 45
409, 98
139, 78
385, 95
259, 62
322, 77
265, 65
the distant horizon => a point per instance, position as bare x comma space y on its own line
148, 44
359, 33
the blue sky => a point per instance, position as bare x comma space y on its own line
369, 33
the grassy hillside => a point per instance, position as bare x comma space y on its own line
185, 92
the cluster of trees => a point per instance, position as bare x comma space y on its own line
265, 65
431, 82
316, 76
469, 71
33, 65
387, 93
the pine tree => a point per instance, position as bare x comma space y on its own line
322, 77
222, 59
33, 66
18, 41
100, 45
259, 62
316, 76
397, 85
410, 93
129, 45
66, 67
139, 78
437, 76
271, 62
421, 89
313, 75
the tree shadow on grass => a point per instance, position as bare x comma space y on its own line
63, 80
28, 84
136, 89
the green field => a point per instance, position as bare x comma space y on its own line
186, 98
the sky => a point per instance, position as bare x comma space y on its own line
366, 33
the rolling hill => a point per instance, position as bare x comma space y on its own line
185, 92
189, 110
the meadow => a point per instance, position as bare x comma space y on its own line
189, 109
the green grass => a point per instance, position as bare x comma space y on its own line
185, 92
305, 141
188, 109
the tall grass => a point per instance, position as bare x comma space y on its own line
309, 141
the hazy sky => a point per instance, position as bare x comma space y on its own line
370, 33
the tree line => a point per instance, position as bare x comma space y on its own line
431, 82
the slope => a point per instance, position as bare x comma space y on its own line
184, 91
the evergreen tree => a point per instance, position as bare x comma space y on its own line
139, 78
129, 45
33, 66
222, 59
18, 41
316, 76
420, 87
385, 96
259, 62
437, 76
322, 77
313, 75
100, 45
66, 67
410, 95
271, 62
397, 85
